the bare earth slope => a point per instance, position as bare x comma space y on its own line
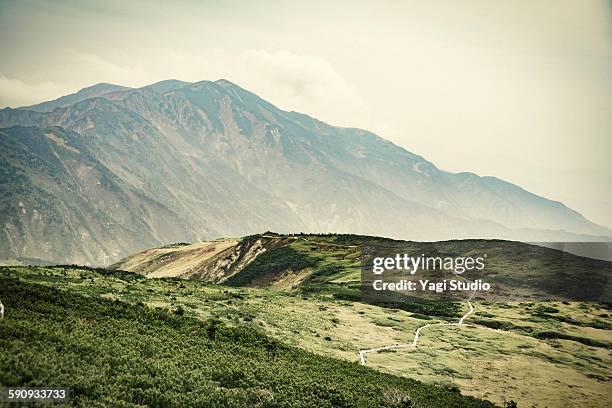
175, 260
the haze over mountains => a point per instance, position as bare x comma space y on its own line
93, 176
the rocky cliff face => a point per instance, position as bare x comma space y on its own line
185, 161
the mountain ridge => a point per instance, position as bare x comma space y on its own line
332, 263
82, 94
229, 163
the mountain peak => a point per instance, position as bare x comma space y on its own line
99, 89
93, 91
225, 83
167, 85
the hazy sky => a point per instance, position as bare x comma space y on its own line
517, 89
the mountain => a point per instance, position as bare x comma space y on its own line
217, 160
57, 198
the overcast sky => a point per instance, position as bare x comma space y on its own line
517, 89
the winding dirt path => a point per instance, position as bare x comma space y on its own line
417, 333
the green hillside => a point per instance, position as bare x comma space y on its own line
329, 264
113, 353
564, 346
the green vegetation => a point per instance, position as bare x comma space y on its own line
580, 339
270, 264
499, 324
111, 353
176, 245
486, 358
596, 323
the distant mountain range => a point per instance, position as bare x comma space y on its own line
107, 171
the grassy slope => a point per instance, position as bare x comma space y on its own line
112, 353
509, 364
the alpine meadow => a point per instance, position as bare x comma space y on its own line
396, 204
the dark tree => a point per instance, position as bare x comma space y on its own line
213, 328
272, 348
